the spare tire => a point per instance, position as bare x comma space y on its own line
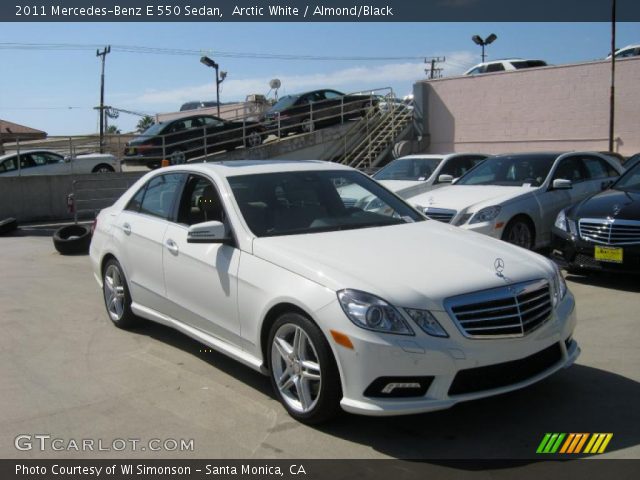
8, 225
72, 239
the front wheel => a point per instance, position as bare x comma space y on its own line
303, 370
519, 232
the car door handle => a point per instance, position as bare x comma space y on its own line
171, 246
126, 228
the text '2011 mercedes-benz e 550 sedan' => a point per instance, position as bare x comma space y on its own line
379, 313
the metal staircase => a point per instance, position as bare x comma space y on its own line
375, 135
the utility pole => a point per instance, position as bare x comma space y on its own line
434, 72
102, 54
612, 91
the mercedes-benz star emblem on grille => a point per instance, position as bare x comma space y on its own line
499, 266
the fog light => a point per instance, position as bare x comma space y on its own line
392, 386
398, 387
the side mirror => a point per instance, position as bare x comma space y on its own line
562, 184
208, 232
445, 179
67, 158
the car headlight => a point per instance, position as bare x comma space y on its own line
427, 322
372, 313
486, 214
559, 286
561, 221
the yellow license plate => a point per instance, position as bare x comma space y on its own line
608, 254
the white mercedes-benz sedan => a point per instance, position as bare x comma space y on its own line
379, 313
413, 174
517, 197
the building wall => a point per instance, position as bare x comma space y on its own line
562, 107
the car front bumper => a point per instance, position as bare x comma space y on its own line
399, 358
577, 253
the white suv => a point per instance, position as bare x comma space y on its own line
504, 65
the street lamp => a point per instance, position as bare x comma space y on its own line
219, 77
477, 39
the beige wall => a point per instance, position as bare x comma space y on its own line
554, 108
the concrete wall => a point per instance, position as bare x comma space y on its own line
44, 197
553, 108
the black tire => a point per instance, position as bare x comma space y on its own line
72, 239
8, 225
254, 139
103, 168
519, 231
127, 319
178, 157
329, 393
307, 126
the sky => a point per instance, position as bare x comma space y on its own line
57, 90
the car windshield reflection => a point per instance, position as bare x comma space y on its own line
289, 203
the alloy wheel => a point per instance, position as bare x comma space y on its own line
520, 235
296, 368
114, 296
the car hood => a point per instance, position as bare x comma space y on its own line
460, 197
610, 203
410, 265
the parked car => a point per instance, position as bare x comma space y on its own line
182, 139
195, 105
517, 197
261, 260
626, 52
303, 112
414, 174
46, 162
504, 65
603, 231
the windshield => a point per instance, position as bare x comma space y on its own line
630, 181
153, 129
512, 171
288, 203
417, 169
284, 102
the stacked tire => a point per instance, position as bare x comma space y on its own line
72, 239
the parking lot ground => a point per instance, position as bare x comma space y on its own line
67, 372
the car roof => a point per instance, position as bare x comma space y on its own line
248, 167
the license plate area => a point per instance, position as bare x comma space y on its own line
608, 254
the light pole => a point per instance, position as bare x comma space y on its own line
220, 76
477, 39
612, 88
102, 54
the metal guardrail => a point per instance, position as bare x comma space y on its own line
202, 141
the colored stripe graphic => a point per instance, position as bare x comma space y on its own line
573, 443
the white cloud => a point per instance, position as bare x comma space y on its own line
397, 75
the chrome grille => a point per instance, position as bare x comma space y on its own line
511, 311
610, 231
440, 214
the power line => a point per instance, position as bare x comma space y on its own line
189, 52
